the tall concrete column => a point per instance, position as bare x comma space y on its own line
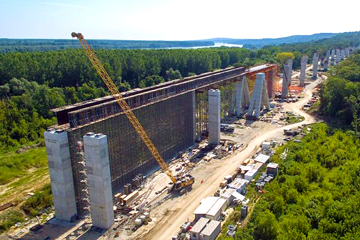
326, 61
347, 52
242, 96
269, 77
260, 97
337, 56
290, 64
98, 171
285, 86
193, 96
342, 54
315, 65
304, 60
214, 116
332, 57
62, 185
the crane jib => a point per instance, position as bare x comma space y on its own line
89, 52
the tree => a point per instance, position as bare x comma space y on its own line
171, 74
266, 226
284, 56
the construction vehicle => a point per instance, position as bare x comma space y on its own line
178, 183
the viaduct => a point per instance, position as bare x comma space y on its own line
174, 114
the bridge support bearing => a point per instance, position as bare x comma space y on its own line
214, 116
259, 98
242, 96
98, 172
62, 185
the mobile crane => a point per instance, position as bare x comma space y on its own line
179, 183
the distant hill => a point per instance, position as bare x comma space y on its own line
259, 43
22, 45
341, 41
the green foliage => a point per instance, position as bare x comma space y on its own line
32, 83
21, 45
13, 165
282, 57
171, 74
340, 96
41, 200
266, 226
316, 192
10, 219
342, 40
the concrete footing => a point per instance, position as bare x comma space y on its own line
214, 116
260, 97
62, 185
98, 172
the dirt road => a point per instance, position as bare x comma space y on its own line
180, 210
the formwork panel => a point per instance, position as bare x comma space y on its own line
169, 124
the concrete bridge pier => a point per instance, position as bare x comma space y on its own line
242, 96
342, 54
332, 57
290, 64
214, 116
304, 61
260, 97
62, 185
337, 56
315, 65
326, 61
285, 86
98, 172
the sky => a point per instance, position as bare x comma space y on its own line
175, 19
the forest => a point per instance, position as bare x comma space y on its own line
259, 43
32, 83
316, 192
23, 45
340, 41
340, 96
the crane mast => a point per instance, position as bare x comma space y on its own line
90, 54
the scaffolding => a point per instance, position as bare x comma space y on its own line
168, 123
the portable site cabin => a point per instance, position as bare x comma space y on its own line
216, 210
197, 228
204, 208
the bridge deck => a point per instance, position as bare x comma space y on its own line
90, 111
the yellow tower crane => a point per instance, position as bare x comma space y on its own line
178, 184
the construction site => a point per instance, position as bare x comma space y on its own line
170, 161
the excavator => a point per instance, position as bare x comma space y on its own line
180, 183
